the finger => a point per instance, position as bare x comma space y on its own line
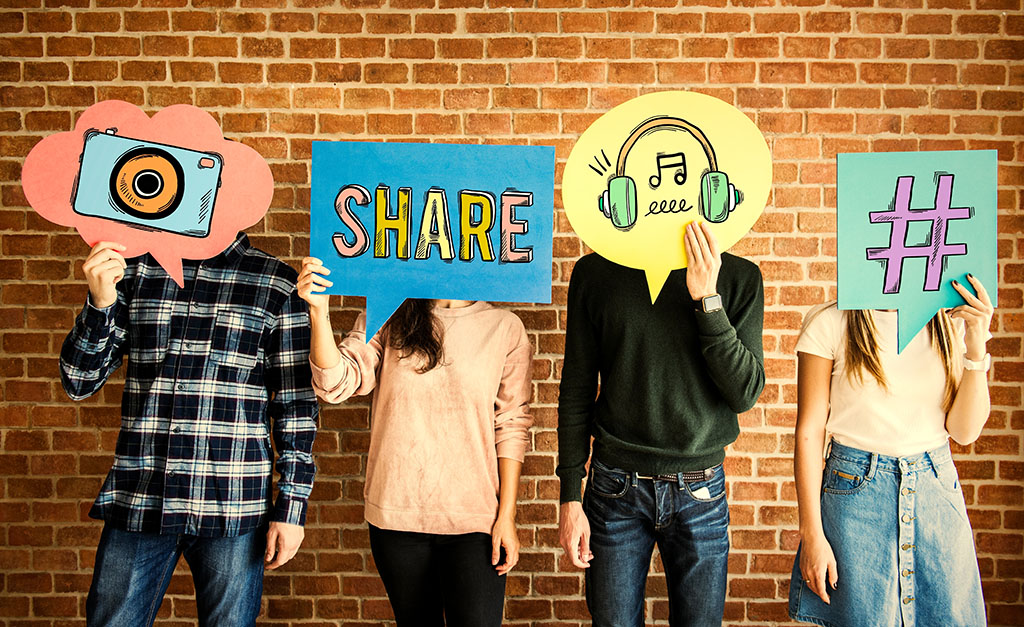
503, 566
574, 550
712, 241
314, 279
282, 555
271, 545
109, 270
107, 245
315, 269
970, 316
701, 237
102, 257
692, 247
585, 553
833, 574
969, 298
819, 583
313, 265
979, 287
495, 550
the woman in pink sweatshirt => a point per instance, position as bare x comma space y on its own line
449, 427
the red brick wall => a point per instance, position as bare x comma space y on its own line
818, 78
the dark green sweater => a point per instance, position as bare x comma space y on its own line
672, 380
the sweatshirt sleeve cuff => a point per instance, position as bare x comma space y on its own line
512, 448
289, 510
570, 490
713, 323
326, 379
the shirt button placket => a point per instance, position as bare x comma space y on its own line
906, 541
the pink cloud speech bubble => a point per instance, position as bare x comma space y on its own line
176, 176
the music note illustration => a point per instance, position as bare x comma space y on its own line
666, 162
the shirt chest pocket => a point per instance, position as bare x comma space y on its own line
236, 339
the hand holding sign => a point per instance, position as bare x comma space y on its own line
312, 284
976, 312
103, 268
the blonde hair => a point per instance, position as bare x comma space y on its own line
862, 350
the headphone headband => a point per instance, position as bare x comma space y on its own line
661, 122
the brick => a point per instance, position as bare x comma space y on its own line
760, 47
827, 22
296, 22
137, 21
98, 22
329, 23
812, 47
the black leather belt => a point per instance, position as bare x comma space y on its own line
688, 477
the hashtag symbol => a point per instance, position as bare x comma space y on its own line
936, 250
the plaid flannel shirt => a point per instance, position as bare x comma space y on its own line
214, 369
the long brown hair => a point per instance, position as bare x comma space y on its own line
862, 350
414, 330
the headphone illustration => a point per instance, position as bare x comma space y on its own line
717, 195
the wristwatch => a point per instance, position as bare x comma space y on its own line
981, 365
710, 303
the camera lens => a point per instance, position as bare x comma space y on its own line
148, 183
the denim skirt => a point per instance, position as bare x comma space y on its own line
903, 545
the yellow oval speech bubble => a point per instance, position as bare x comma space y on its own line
644, 170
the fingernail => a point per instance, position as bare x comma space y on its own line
955, 282
970, 276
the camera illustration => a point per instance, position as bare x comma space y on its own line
147, 185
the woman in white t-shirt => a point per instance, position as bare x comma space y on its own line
884, 533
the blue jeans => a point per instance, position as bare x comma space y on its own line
688, 520
133, 570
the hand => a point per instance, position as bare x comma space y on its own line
976, 314
503, 534
705, 260
103, 268
312, 281
283, 542
574, 533
816, 563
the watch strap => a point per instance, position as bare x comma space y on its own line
981, 365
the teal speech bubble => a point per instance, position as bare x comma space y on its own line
908, 224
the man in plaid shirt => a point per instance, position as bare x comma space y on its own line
215, 369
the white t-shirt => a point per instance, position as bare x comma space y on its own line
906, 419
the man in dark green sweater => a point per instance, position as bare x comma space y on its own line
674, 375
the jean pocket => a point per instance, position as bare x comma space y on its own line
607, 482
949, 486
707, 490
843, 477
236, 339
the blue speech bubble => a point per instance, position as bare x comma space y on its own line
402, 220
908, 224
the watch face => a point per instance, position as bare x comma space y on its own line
711, 303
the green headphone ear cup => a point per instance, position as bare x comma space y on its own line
622, 198
714, 196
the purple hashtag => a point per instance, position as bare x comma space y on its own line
935, 251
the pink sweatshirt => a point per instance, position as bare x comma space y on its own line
435, 438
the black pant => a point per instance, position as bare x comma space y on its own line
435, 579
